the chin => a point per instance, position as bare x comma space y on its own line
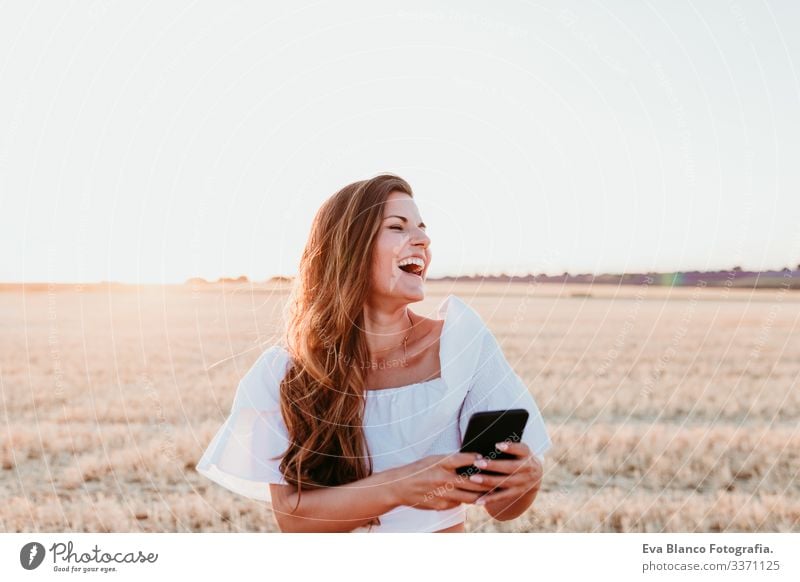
409, 295
418, 294
400, 286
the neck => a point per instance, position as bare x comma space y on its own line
385, 328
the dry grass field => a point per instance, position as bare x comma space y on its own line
669, 409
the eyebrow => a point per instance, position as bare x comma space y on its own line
404, 219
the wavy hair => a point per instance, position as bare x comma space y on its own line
322, 394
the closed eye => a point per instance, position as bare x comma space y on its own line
396, 226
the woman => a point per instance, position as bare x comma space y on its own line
356, 423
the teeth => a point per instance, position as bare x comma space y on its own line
412, 261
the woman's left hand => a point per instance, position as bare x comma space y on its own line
521, 476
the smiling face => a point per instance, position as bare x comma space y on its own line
400, 239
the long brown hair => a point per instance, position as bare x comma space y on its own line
322, 395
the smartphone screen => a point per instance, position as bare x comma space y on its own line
487, 428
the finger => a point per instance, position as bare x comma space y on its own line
468, 485
439, 504
505, 466
462, 496
457, 460
503, 481
463, 481
456, 496
519, 449
504, 495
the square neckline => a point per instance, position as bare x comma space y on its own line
440, 377
406, 387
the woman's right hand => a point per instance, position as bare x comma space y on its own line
432, 482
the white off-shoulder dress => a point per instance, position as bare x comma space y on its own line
401, 424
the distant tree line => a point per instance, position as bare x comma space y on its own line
735, 277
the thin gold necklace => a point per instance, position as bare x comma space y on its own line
404, 343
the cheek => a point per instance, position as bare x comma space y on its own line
382, 264
388, 249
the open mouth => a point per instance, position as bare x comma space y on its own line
413, 270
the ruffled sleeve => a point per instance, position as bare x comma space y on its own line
496, 386
245, 453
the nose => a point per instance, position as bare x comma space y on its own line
421, 238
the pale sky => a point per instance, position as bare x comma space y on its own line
153, 143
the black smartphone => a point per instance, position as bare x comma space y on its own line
487, 428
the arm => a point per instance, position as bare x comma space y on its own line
504, 511
429, 483
334, 509
518, 485
497, 386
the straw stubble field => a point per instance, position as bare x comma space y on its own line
669, 409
